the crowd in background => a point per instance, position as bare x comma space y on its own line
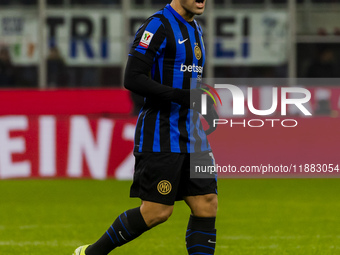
58, 2
313, 60
154, 2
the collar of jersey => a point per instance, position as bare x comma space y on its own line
168, 6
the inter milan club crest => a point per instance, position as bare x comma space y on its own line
198, 52
164, 187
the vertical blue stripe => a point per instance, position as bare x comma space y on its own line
160, 50
156, 140
189, 130
193, 126
202, 135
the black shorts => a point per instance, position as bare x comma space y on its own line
165, 177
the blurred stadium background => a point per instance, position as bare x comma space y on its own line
65, 115
61, 68
87, 41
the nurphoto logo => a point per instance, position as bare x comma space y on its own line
240, 101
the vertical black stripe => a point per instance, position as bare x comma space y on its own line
139, 130
198, 140
168, 73
183, 112
149, 129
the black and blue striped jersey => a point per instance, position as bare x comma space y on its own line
174, 49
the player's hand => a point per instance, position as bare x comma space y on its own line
189, 98
210, 116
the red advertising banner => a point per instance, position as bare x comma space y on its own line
80, 146
65, 101
75, 146
68, 134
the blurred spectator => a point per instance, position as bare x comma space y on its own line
89, 77
110, 1
28, 2
285, 1
55, 68
7, 70
247, 1
157, 2
95, 2
5, 2
324, 66
55, 2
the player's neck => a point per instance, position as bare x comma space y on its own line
188, 16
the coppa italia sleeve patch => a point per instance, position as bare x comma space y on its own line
146, 39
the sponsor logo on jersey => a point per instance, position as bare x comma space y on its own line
191, 68
146, 39
164, 187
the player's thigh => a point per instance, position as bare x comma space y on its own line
155, 213
203, 205
200, 190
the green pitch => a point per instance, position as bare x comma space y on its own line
255, 216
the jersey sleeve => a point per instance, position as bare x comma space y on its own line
149, 41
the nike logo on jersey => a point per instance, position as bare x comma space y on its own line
209, 241
181, 42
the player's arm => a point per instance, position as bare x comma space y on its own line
138, 81
140, 61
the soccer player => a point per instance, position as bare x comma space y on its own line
167, 52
